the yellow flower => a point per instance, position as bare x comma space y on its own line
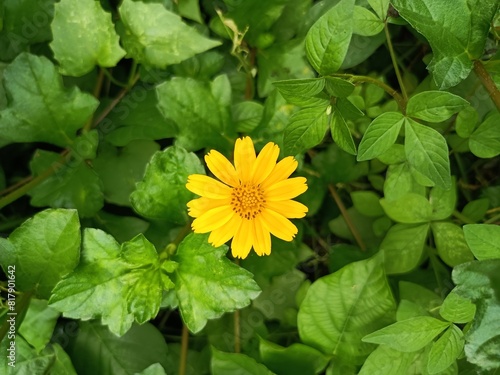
253, 201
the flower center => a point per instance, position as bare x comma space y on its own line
247, 200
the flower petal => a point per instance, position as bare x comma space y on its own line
221, 168
244, 158
281, 171
221, 235
278, 225
207, 187
265, 163
262, 238
199, 206
290, 209
242, 241
286, 189
212, 219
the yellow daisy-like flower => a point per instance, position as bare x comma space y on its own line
253, 201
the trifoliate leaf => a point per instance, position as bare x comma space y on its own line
118, 284
41, 109
84, 36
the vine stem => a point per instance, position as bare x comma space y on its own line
184, 350
487, 82
346, 216
97, 89
395, 62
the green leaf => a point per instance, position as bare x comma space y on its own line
403, 246
302, 92
296, 359
136, 117
476, 209
464, 22
147, 40
410, 208
41, 109
341, 133
96, 350
366, 23
43, 249
235, 364
306, 129
457, 309
400, 181
387, 361
338, 87
466, 121
419, 295
328, 39
120, 169
408, 335
328, 318
38, 324
119, 284
207, 283
367, 203
74, 185
435, 106
190, 104
380, 135
380, 7
483, 240
443, 201
427, 152
154, 369
247, 115
190, 9
479, 281
445, 351
450, 244
484, 142
162, 193
85, 24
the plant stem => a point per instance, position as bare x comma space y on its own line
395, 62
97, 90
347, 218
462, 218
487, 82
184, 350
493, 219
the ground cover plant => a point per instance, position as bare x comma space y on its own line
249, 187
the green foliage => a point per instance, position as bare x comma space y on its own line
391, 110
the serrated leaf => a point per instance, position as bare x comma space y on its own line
408, 335
435, 106
41, 109
303, 92
154, 36
235, 363
96, 350
380, 135
120, 169
296, 359
427, 152
445, 351
403, 246
410, 208
190, 104
387, 361
120, 284
483, 240
328, 39
465, 22
328, 318
450, 243
85, 24
366, 23
74, 185
207, 283
43, 249
162, 193
484, 142
457, 309
305, 130
341, 133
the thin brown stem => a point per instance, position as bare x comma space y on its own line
487, 82
346, 216
184, 350
395, 62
